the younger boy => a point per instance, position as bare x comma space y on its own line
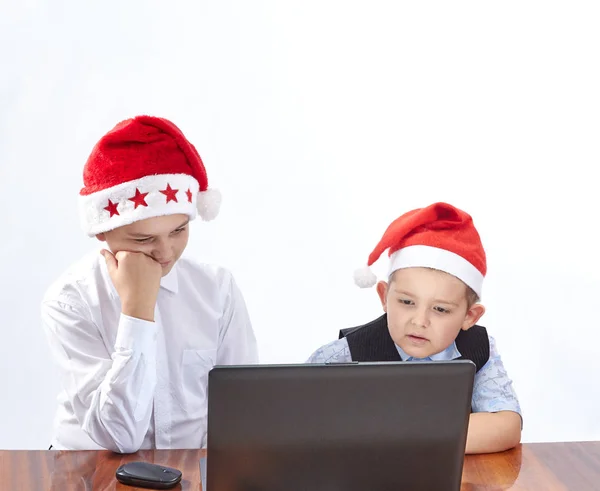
431, 305
135, 328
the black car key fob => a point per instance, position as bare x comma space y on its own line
146, 475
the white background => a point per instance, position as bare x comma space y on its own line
320, 121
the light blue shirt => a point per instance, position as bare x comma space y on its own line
492, 389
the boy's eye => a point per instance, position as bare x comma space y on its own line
405, 301
142, 241
441, 310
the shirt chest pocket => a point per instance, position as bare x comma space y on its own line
195, 365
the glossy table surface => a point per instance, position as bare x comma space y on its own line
537, 466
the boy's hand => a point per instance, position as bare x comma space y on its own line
136, 277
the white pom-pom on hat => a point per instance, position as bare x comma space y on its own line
209, 204
364, 277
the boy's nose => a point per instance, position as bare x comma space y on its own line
161, 252
421, 318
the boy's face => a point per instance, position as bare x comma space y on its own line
426, 309
162, 238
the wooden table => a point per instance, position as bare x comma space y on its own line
539, 466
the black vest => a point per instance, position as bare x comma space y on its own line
372, 342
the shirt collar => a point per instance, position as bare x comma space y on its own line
450, 353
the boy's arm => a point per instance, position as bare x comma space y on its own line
335, 352
495, 424
493, 432
111, 396
237, 342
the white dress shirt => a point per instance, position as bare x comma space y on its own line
129, 383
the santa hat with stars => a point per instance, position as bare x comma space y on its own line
144, 167
439, 236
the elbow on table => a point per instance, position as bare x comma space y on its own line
122, 442
512, 431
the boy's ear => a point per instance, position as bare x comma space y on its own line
382, 291
101, 237
473, 315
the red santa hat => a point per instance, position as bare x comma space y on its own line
144, 167
439, 236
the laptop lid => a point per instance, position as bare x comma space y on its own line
348, 427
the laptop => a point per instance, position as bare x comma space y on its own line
338, 427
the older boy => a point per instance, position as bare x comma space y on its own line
135, 328
431, 305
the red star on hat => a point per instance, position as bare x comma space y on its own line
170, 193
138, 199
189, 195
112, 208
